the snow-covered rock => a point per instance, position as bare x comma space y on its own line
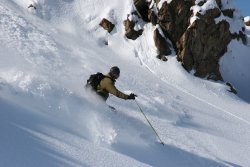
247, 20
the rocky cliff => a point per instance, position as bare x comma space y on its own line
200, 31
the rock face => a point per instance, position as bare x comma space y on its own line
162, 45
32, 6
152, 17
232, 89
130, 31
107, 25
199, 46
197, 38
203, 43
247, 20
142, 7
201, 51
228, 13
174, 19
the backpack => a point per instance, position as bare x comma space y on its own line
94, 80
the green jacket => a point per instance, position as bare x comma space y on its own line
106, 86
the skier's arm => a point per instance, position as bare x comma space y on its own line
108, 85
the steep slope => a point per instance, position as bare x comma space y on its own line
48, 119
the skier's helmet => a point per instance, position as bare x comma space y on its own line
115, 71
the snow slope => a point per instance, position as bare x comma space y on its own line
48, 119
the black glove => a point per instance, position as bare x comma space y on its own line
132, 96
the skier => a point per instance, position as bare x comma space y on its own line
106, 85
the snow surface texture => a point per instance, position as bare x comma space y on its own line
48, 119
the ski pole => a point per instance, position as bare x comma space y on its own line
149, 123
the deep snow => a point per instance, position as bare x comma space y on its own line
48, 119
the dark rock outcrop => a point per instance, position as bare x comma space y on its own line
232, 89
201, 51
107, 25
247, 21
174, 19
202, 45
201, 3
152, 17
32, 6
130, 32
199, 45
142, 7
162, 57
219, 3
163, 47
228, 12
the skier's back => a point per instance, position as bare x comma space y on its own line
107, 85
